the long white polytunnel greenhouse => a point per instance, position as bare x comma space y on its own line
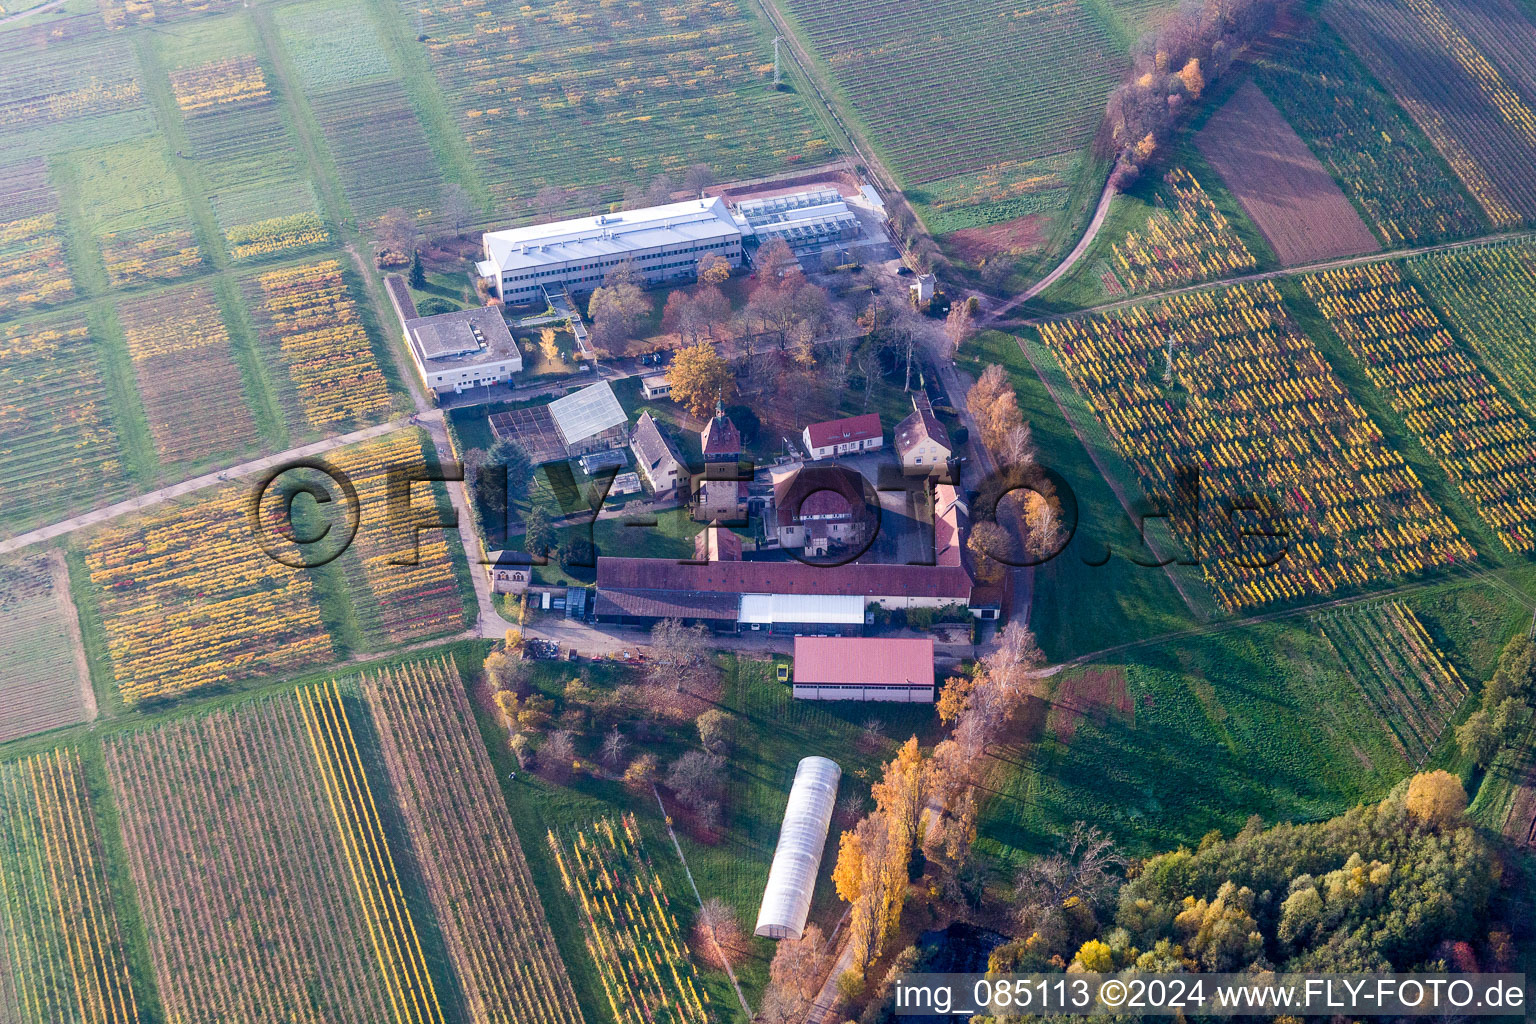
796, 859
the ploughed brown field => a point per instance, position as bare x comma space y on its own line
1013, 236
1280, 184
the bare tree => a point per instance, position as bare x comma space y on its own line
398, 231
1087, 867
680, 657
458, 210
717, 932
836, 362
1042, 520
1018, 447
794, 977
550, 200
698, 178
697, 778
614, 747
867, 359
659, 192
558, 755
959, 323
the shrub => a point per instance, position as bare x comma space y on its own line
432, 305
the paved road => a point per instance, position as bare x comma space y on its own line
956, 384
823, 1009
152, 498
489, 623
598, 640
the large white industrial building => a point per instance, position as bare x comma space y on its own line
797, 858
664, 243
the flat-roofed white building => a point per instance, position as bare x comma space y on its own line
797, 857
466, 349
792, 613
664, 243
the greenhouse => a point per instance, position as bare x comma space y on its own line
797, 858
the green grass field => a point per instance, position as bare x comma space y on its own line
129, 186
334, 43
1193, 734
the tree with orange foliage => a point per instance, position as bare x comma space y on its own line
700, 377
954, 696
1192, 78
901, 794
713, 269
989, 544
1436, 798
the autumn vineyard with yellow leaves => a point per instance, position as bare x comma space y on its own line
63, 958
630, 928
1225, 384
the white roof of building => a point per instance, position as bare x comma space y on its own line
755, 208
797, 214
826, 609
611, 234
588, 412
461, 340
796, 859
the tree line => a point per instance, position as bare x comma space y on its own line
1171, 69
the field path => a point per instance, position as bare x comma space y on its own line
219, 476
1099, 214
39, 9
71, 619
730, 973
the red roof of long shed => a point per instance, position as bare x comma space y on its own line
860, 660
